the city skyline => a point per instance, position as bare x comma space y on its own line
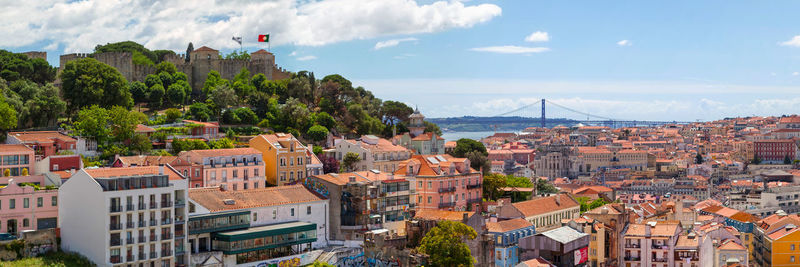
676, 61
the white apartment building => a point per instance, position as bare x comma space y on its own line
131, 216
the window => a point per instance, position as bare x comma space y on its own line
245, 186
235, 187
54, 200
26, 203
792, 247
255, 216
26, 222
255, 184
429, 200
255, 172
308, 211
419, 184
419, 199
292, 213
274, 214
791, 259
39, 202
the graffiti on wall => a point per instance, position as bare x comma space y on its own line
382, 263
351, 261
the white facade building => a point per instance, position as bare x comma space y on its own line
125, 216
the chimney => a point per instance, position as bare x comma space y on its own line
647, 229
352, 179
558, 199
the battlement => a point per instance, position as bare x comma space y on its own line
36, 54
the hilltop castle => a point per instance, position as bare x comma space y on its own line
199, 63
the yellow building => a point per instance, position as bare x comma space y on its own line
777, 241
285, 158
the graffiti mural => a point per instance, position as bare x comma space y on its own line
382, 263
351, 261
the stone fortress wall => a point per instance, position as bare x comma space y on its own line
201, 61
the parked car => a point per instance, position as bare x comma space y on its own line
7, 236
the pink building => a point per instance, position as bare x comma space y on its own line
234, 168
443, 182
24, 208
45, 143
15, 158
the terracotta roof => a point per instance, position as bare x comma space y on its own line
41, 137
661, 229
507, 225
545, 205
143, 160
261, 51
340, 178
141, 128
426, 137
685, 241
537, 262
729, 244
15, 148
132, 171
214, 198
205, 48
441, 215
225, 152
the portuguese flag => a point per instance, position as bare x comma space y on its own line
264, 38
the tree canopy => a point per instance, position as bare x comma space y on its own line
87, 82
445, 245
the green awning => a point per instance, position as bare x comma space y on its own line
264, 231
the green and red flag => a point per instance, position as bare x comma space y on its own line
264, 38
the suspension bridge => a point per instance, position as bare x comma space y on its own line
566, 114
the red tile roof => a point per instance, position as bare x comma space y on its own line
41, 136
214, 198
15, 148
205, 48
507, 225
545, 205
441, 215
132, 171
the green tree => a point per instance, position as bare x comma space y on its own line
38, 105
349, 161
8, 116
176, 94
156, 95
545, 187
466, 145
151, 79
123, 122
166, 66
321, 264
87, 82
325, 119
173, 114
492, 184
445, 244
223, 97
138, 91
17, 66
431, 127
221, 143
246, 116
518, 181
166, 79
200, 111
395, 111
230, 117
478, 161
756, 160
317, 133
213, 80
140, 144
241, 55
93, 122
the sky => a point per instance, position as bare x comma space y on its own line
631, 60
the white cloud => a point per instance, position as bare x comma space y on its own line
293, 53
538, 36
80, 25
305, 58
795, 73
392, 42
511, 49
404, 56
624, 43
795, 41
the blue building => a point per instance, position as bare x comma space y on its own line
507, 235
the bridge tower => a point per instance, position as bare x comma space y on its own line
543, 118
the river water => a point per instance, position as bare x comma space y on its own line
454, 136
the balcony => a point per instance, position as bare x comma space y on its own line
142, 223
142, 206
179, 220
166, 221
153, 238
115, 242
130, 258
629, 258
166, 253
446, 204
473, 201
447, 189
153, 222
180, 203
142, 256
166, 236
179, 251
117, 208
142, 239
129, 207
130, 224
473, 186
114, 226
130, 240
115, 259
166, 204
632, 245
659, 259
657, 246
153, 205
153, 255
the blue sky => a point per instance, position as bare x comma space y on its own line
675, 60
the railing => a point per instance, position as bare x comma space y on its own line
142, 206
179, 220
130, 224
166, 221
632, 258
129, 240
130, 258
166, 204
114, 226
655, 246
632, 246
142, 239
659, 259
129, 207
115, 242
142, 256
153, 255
474, 200
153, 222
446, 204
142, 223
166, 236
117, 208
165, 253
153, 205
115, 259
180, 203
153, 238
473, 186
179, 251
447, 189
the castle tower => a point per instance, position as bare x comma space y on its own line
417, 125
204, 53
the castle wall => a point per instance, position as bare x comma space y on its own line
36, 54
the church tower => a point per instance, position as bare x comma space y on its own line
417, 126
